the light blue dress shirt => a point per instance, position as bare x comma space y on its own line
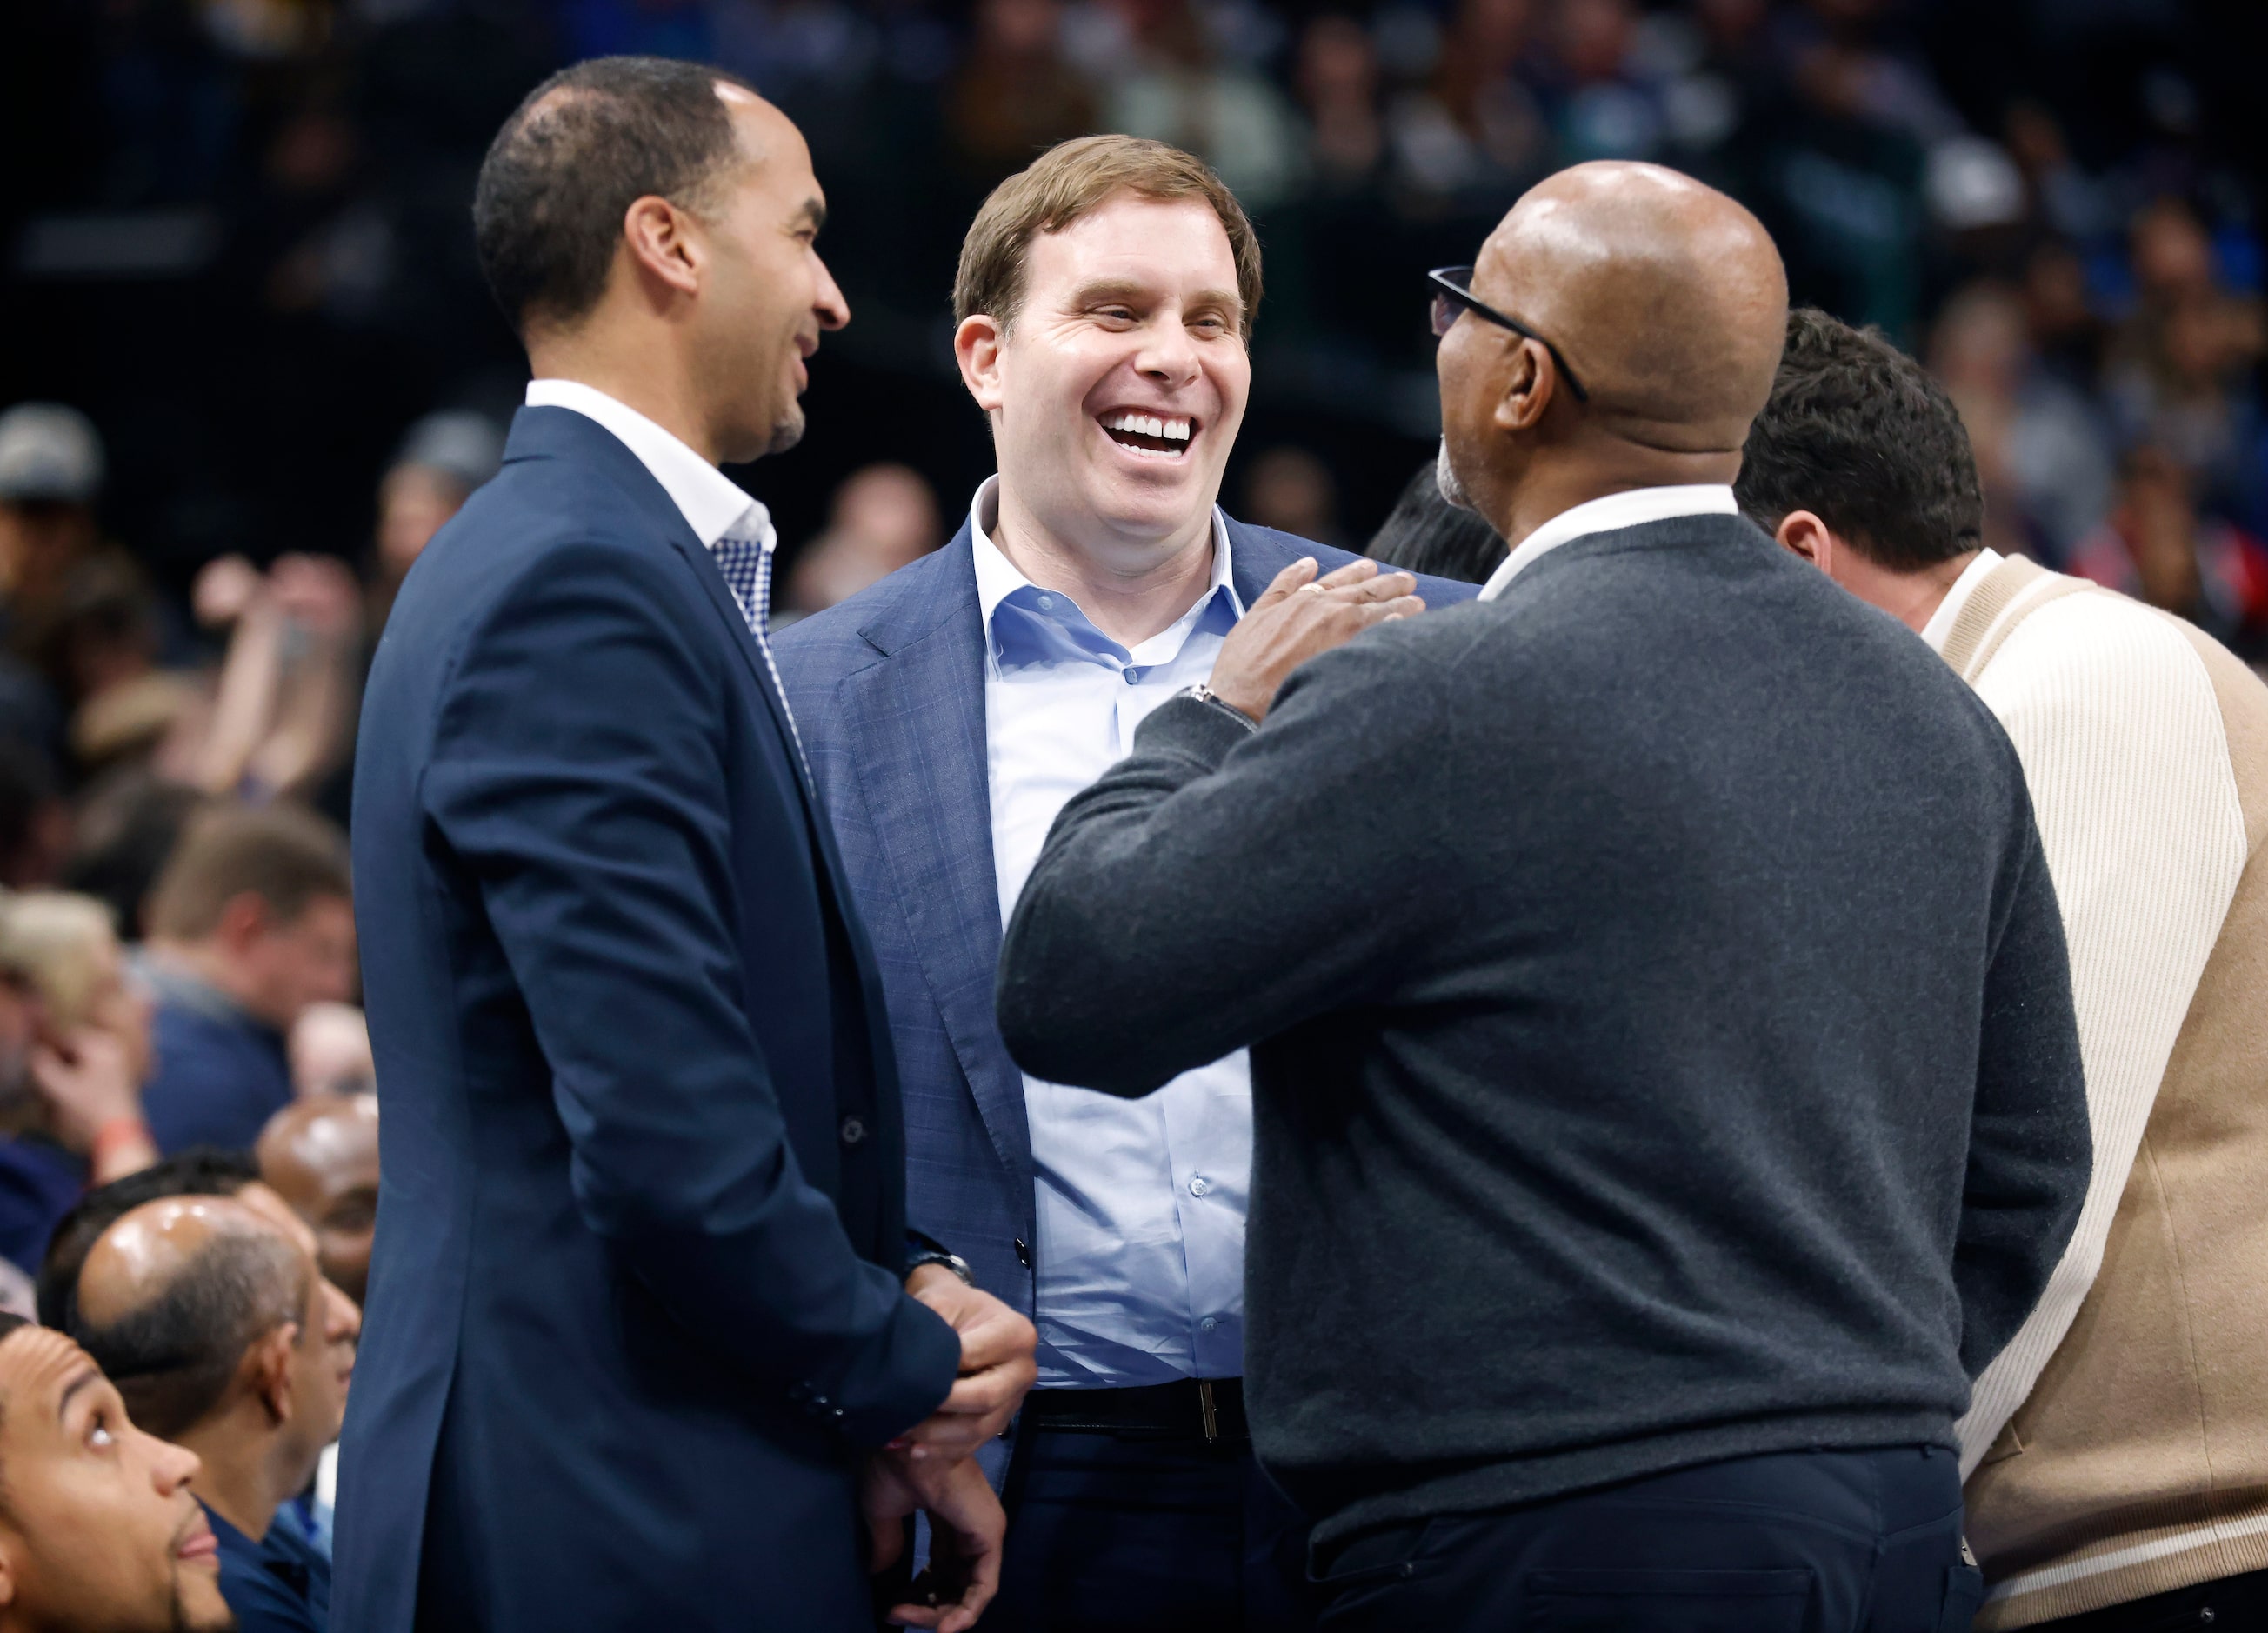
1140, 1203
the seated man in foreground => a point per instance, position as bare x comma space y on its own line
1665, 1090
224, 1336
98, 1529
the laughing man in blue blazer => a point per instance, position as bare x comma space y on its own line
1104, 301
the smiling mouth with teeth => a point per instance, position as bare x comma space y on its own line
1148, 433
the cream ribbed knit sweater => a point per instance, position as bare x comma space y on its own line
2119, 1444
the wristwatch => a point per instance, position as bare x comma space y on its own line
926, 1249
952, 1262
1205, 694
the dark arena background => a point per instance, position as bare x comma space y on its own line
236, 231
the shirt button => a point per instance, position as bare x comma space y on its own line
1047, 603
1132, 676
854, 1129
1023, 1252
1199, 1185
1209, 1323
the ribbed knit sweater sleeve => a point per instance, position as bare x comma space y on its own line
2116, 722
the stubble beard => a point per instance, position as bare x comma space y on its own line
1445, 478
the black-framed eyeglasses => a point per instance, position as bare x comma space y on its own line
1453, 293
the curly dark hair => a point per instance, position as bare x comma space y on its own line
1858, 433
588, 143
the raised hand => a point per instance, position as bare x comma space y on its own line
1299, 616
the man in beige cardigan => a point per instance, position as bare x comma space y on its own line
2116, 1450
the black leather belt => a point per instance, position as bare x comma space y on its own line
1210, 1410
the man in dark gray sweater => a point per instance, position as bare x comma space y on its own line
1666, 1092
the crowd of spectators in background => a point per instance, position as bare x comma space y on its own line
281, 377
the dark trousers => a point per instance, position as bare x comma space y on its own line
2224, 1606
1799, 1543
1111, 1534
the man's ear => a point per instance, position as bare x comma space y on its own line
268, 1371
662, 246
1802, 533
244, 918
977, 347
1528, 387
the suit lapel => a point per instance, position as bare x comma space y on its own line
917, 718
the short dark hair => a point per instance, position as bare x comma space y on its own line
1858, 433
200, 1171
288, 857
172, 1357
586, 144
1427, 534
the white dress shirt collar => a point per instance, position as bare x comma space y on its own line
712, 503
1628, 509
1939, 629
997, 578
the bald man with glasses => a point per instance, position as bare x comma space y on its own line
1666, 1092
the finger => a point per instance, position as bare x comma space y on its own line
980, 1393
1384, 587
982, 1559
1354, 572
1286, 582
915, 1616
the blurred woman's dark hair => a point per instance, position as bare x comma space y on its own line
1425, 534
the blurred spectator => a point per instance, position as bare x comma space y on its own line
97, 1512
330, 1050
1478, 127
884, 517
281, 718
80, 625
227, 1339
2157, 548
1291, 490
2179, 374
2042, 452
1181, 90
1016, 94
2066, 333
251, 922
128, 826
74, 1053
1604, 102
51, 472
444, 457
35, 824
1427, 534
1336, 79
321, 1155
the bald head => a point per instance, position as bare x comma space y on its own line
1666, 297
174, 1292
321, 1155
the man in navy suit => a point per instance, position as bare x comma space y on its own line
1105, 298
641, 1340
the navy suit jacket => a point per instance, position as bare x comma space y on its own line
888, 691
635, 1302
